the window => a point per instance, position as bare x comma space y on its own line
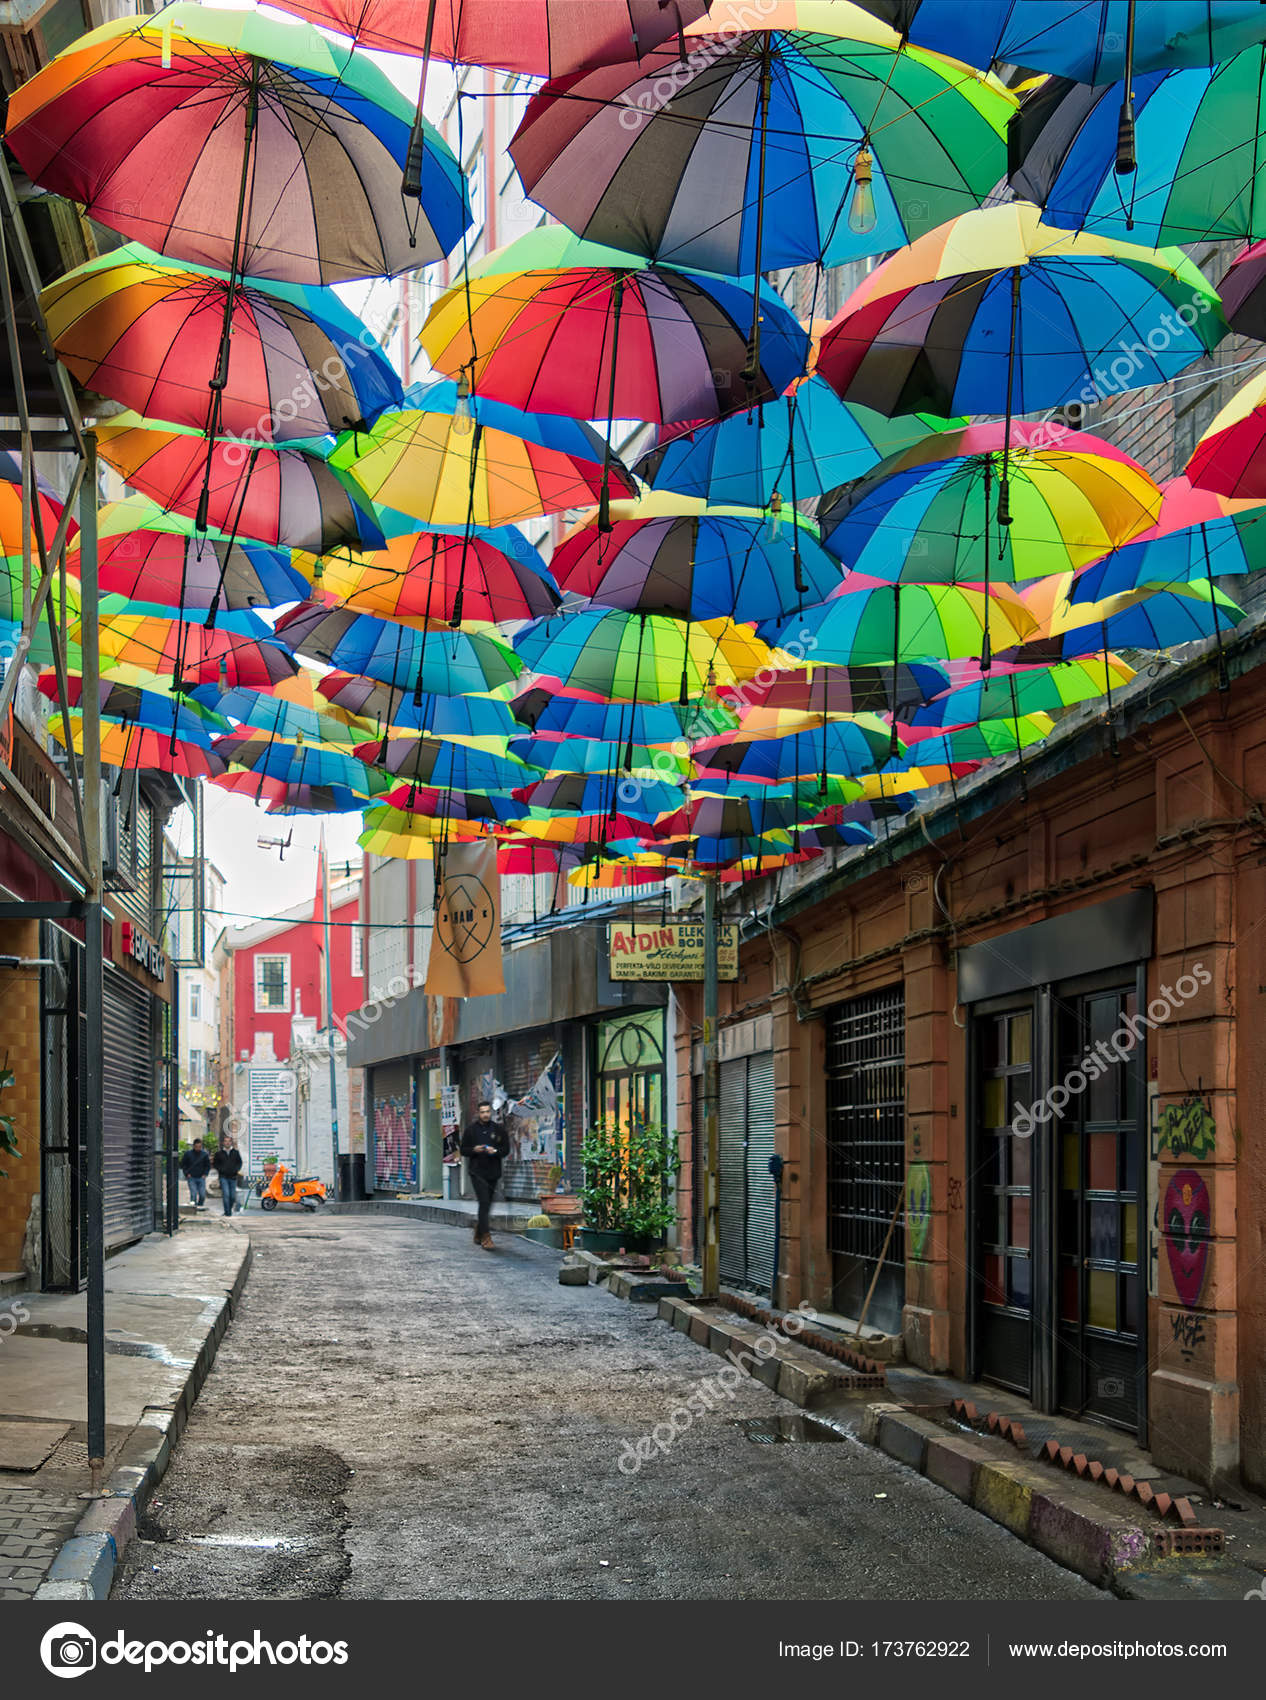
358, 951
197, 1068
272, 983
195, 1001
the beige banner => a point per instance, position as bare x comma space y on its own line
465, 959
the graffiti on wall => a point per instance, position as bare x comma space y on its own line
1187, 1216
918, 1207
395, 1141
1187, 1129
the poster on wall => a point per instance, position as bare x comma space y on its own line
532, 1121
450, 1124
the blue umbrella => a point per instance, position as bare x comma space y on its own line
1199, 535
1162, 620
845, 747
446, 663
748, 459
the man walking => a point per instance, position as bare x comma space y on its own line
485, 1144
196, 1166
228, 1165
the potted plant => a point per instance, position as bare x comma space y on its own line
8, 1130
270, 1165
627, 1195
558, 1206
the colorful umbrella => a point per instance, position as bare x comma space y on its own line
844, 747
149, 555
998, 311
743, 156
239, 141
663, 724
141, 747
1199, 535
291, 710
1024, 691
446, 664
447, 766
408, 837
456, 806
823, 791
299, 764
48, 502
1192, 153
1085, 39
285, 799
147, 332
723, 817
152, 711
803, 446
542, 38
980, 742
639, 657
435, 578
554, 324
1228, 459
912, 622
1162, 620
930, 515
288, 496
573, 793
836, 691
574, 754
667, 554
240, 651
451, 460
481, 720
1243, 292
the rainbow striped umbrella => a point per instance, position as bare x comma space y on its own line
1229, 458
1199, 535
447, 664
639, 657
241, 650
1009, 692
435, 578
909, 623
149, 555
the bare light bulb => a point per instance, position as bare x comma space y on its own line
774, 530
861, 211
463, 414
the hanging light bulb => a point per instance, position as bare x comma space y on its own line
861, 211
774, 531
463, 414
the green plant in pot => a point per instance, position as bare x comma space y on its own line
8, 1128
627, 1195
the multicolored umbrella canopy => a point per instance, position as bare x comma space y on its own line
667, 554
808, 443
292, 710
290, 496
152, 710
908, 622
447, 766
449, 460
980, 742
1243, 292
1161, 620
47, 502
240, 651
575, 794
131, 746
149, 555
639, 657
666, 724
542, 38
837, 691
446, 664
485, 720
1032, 690
996, 310
1199, 535
1084, 39
1199, 172
574, 754
299, 764
240, 141
929, 515
722, 817
435, 578
554, 324
1229, 458
406, 837
854, 120
844, 747
146, 332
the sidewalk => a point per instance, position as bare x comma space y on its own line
507, 1217
168, 1302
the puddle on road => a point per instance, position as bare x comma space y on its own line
250, 1543
788, 1426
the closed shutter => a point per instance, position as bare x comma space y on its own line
128, 1126
393, 1127
732, 1132
760, 1183
575, 1109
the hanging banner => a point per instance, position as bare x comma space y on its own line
465, 960
672, 952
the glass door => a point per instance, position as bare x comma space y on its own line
1002, 1170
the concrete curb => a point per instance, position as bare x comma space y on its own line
1071, 1528
85, 1566
797, 1373
430, 1210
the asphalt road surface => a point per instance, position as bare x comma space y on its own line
397, 1414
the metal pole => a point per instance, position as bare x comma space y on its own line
91, 1081
711, 1095
329, 1016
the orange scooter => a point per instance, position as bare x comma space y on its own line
285, 1188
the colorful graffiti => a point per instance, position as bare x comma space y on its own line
1187, 1129
395, 1142
1187, 1218
918, 1207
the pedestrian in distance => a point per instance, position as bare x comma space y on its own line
228, 1165
485, 1145
196, 1166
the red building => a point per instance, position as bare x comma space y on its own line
274, 974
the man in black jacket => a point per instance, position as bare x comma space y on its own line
227, 1163
485, 1144
196, 1165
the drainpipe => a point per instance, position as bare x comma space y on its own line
776, 1166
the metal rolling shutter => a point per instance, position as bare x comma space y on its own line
760, 1183
394, 1127
128, 1109
732, 1136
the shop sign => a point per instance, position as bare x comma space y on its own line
673, 951
138, 948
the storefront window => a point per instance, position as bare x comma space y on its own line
630, 1069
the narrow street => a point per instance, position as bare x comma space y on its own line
396, 1414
